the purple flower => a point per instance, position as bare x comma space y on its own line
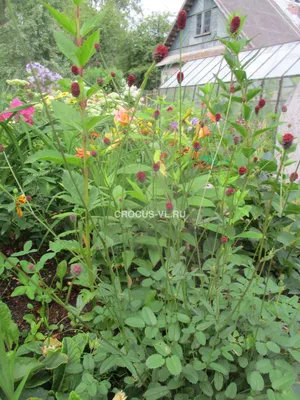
41, 76
174, 126
194, 121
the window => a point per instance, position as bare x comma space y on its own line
203, 22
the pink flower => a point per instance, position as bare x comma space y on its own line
26, 114
224, 239
169, 206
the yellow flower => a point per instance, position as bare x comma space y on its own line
120, 396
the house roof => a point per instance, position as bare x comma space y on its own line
267, 24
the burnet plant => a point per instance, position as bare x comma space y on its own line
182, 308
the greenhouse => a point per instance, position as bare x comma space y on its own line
276, 69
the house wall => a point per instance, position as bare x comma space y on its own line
192, 42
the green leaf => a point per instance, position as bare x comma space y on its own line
198, 201
134, 169
264, 366
240, 128
90, 24
156, 393
261, 348
219, 368
62, 269
218, 381
74, 396
256, 381
251, 93
19, 291
149, 316
250, 235
155, 361
174, 365
135, 322
231, 391
54, 359
190, 373
87, 50
273, 347
53, 156
285, 382
66, 46
162, 348
246, 112
67, 23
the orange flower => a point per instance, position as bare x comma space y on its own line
22, 199
95, 135
80, 153
201, 131
18, 209
122, 116
211, 116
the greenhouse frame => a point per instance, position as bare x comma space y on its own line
275, 68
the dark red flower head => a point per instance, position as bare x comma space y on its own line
255, 159
229, 192
97, 47
236, 140
284, 109
293, 176
93, 153
113, 74
100, 81
131, 80
169, 206
287, 140
224, 239
106, 141
156, 166
75, 89
218, 117
75, 70
242, 170
141, 176
232, 89
156, 114
261, 103
196, 146
235, 25
29, 199
2, 148
170, 108
181, 19
180, 77
160, 53
257, 109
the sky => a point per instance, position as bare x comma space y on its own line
162, 5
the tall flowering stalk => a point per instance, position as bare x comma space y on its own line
181, 23
82, 104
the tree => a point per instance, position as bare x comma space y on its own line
141, 41
32, 22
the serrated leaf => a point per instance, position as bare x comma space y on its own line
162, 348
155, 361
149, 316
273, 347
135, 322
67, 23
219, 368
66, 46
87, 50
174, 365
231, 391
256, 381
156, 393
